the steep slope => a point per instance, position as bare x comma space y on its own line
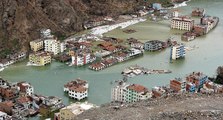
21, 20
176, 107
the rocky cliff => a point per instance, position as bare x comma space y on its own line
21, 20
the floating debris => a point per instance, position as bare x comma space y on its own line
136, 70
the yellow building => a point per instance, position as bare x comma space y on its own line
40, 59
36, 45
71, 111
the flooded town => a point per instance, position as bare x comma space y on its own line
152, 53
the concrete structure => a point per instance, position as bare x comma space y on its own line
188, 36
26, 88
25, 102
130, 93
9, 92
182, 23
50, 105
197, 78
18, 56
177, 51
137, 45
178, 85
36, 45
77, 89
82, 58
153, 45
191, 87
118, 91
54, 46
211, 87
71, 111
199, 12
137, 92
40, 59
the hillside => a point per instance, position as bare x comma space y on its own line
21, 20
175, 107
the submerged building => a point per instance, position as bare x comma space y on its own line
153, 45
77, 89
182, 23
177, 51
124, 92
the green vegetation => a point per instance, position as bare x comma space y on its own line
219, 78
60, 36
5, 52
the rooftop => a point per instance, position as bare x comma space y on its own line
23, 99
137, 88
183, 18
78, 108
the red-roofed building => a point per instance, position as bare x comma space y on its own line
130, 93
77, 89
178, 85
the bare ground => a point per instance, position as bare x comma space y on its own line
174, 107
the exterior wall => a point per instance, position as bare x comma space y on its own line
200, 30
118, 94
40, 60
78, 95
62, 47
133, 96
181, 24
153, 45
29, 90
178, 86
36, 45
52, 45
80, 60
191, 88
122, 94
177, 51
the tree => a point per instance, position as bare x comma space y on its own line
219, 78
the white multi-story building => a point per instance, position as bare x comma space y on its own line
54, 46
182, 23
178, 51
77, 89
82, 59
130, 93
119, 91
